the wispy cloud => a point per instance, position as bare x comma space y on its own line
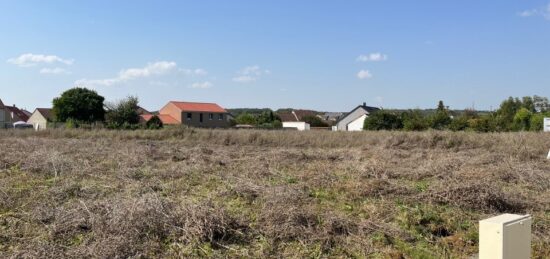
250, 74
152, 69
541, 11
54, 71
364, 74
202, 85
195, 72
372, 57
29, 60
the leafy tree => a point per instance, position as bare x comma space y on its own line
79, 104
414, 120
522, 119
123, 112
383, 120
440, 119
506, 112
462, 122
314, 121
541, 103
154, 123
484, 123
246, 118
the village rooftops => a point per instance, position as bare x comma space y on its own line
198, 107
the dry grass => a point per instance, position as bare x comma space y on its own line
226, 193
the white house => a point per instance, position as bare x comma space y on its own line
299, 125
354, 120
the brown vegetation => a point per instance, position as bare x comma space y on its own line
227, 193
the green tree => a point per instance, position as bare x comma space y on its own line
314, 121
440, 119
246, 118
123, 112
383, 120
414, 120
79, 104
522, 119
541, 103
485, 123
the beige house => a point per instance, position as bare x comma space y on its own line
207, 115
3, 122
40, 118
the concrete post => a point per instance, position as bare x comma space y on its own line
507, 236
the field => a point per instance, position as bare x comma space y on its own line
226, 193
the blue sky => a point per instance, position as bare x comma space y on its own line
324, 55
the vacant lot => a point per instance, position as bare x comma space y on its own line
224, 193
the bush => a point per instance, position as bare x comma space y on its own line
155, 123
383, 120
414, 121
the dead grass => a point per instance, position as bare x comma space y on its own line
225, 193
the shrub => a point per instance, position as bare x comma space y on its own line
383, 120
154, 123
413, 120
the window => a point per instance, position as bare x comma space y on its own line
220, 116
200, 118
189, 116
211, 116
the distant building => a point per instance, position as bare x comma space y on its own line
354, 120
298, 125
3, 122
295, 119
332, 116
10, 115
41, 117
208, 115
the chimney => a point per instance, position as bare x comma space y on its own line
364, 104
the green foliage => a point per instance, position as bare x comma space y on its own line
440, 120
246, 118
123, 114
460, 123
154, 123
522, 119
314, 121
79, 104
485, 123
383, 120
413, 120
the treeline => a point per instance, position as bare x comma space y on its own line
81, 107
266, 119
514, 114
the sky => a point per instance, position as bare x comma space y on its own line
310, 54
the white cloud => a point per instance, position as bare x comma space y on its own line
152, 69
194, 72
364, 74
29, 59
54, 71
250, 74
202, 85
373, 57
542, 11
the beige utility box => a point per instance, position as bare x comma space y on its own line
507, 236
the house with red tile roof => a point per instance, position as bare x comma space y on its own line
10, 115
193, 114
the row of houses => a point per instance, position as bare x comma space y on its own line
351, 121
194, 114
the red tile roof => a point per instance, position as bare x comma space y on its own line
166, 119
18, 114
198, 107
